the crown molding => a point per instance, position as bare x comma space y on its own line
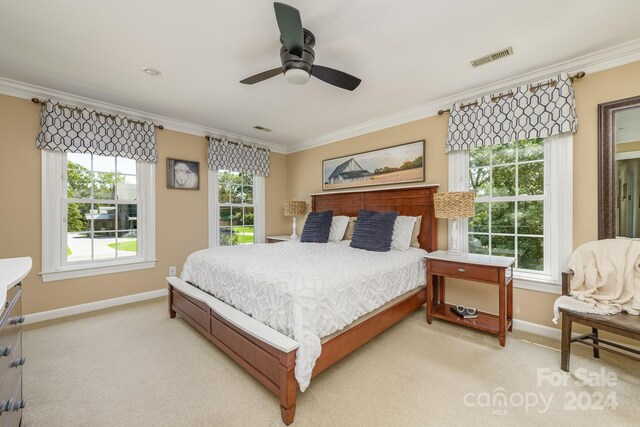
591, 63
27, 91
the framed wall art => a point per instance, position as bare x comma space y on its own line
392, 165
183, 174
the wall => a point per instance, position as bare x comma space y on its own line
304, 176
181, 216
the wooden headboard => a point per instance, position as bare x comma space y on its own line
410, 201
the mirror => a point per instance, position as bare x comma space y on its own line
619, 169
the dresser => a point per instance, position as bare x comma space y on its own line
12, 271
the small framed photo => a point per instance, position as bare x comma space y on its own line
183, 174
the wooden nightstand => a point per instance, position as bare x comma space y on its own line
496, 270
278, 239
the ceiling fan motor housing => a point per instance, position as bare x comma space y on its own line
305, 63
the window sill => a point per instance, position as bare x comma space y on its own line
86, 271
546, 286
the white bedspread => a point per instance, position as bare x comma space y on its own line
305, 290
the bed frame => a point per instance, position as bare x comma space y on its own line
270, 356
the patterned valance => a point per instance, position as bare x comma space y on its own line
527, 111
238, 157
79, 130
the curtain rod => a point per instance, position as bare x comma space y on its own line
242, 144
532, 88
110, 116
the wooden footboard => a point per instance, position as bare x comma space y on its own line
273, 367
269, 365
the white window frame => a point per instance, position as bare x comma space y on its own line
214, 209
54, 224
558, 221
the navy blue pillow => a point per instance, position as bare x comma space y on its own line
316, 228
374, 231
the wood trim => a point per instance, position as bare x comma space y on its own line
607, 164
411, 201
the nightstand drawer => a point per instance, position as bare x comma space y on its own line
465, 271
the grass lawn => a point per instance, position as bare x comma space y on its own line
131, 246
245, 234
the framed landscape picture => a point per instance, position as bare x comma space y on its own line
391, 165
183, 174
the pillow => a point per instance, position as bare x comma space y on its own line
350, 227
374, 230
316, 228
338, 227
402, 232
416, 232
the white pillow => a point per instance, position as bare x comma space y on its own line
338, 227
402, 231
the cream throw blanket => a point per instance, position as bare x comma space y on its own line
606, 278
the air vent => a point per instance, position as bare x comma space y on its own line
492, 57
262, 128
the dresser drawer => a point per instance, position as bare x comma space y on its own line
465, 271
13, 415
10, 380
11, 296
9, 329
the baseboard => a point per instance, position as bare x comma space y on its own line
537, 329
92, 306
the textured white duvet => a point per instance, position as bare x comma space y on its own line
305, 290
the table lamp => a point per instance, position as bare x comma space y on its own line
294, 208
453, 206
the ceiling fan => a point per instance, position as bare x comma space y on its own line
297, 55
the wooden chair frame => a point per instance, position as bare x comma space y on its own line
621, 324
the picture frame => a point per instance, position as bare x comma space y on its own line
183, 174
397, 164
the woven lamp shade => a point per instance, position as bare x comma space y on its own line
294, 208
460, 204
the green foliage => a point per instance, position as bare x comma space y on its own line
509, 170
407, 164
75, 218
130, 246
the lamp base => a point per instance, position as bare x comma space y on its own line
294, 235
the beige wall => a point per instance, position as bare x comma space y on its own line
181, 216
304, 176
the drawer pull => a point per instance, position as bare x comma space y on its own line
462, 270
19, 404
5, 405
16, 320
18, 362
5, 351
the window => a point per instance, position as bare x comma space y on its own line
236, 208
97, 215
508, 180
523, 205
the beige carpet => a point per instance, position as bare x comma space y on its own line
133, 366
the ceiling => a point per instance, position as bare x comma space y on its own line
407, 53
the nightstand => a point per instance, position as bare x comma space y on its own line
496, 270
278, 239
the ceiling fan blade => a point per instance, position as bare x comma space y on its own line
335, 77
262, 76
290, 26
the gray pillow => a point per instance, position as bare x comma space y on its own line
374, 231
316, 227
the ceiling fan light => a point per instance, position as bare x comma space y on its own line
296, 76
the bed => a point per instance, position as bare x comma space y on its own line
268, 353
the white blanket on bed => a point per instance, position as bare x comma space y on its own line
305, 290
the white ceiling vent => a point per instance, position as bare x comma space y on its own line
492, 57
262, 128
